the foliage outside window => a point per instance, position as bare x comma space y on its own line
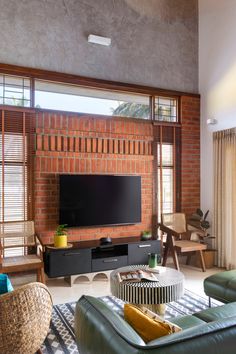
166, 109
87, 100
14, 90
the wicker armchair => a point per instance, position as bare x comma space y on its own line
25, 315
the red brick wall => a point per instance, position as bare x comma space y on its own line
190, 163
69, 143
76, 144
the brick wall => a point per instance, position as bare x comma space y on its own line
76, 144
69, 143
190, 163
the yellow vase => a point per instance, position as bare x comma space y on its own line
60, 241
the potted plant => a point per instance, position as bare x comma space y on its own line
199, 220
60, 236
146, 235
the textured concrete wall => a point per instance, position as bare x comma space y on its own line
154, 42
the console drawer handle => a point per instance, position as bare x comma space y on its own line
144, 246
72, 254
110, 260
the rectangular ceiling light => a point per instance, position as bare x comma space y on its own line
99, 40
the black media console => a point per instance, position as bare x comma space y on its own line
91, 256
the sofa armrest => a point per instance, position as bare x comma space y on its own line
212, 338
100, 330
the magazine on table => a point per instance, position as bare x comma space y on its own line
136, 276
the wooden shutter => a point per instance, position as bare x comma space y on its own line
16, 164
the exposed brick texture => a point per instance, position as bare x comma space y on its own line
70, 143
190, 163
76, 144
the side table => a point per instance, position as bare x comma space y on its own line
168, 287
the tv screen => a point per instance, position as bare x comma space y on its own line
97, 200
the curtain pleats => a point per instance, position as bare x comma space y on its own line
224, 220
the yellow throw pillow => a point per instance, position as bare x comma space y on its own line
147, 324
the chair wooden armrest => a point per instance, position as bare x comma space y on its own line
20, 249
178, 238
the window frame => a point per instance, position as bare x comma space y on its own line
162, 166
99, 84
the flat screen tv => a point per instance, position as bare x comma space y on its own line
99, 200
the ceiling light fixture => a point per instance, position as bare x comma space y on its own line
92, 38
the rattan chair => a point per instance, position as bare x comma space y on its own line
18, 249
25, 315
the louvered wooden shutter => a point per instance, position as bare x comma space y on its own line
16, 164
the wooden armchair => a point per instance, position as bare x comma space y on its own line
178, 239
18, 249
25, 315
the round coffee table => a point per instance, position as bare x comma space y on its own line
168, 287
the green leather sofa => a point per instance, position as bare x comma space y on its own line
99, 330
221, 286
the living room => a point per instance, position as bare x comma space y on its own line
141, 91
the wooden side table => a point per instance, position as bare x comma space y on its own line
168, 287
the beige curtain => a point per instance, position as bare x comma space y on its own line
224, 220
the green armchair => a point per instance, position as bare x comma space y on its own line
99, 330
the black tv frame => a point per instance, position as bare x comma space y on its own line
62, 220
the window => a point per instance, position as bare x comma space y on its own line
31, 92
165, 178
14, 90
16, 165
16, 173
166, 109
88, 100
168, 169
13, 175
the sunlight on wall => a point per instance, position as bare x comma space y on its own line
220, 102
222, 97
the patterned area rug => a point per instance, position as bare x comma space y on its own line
61, 338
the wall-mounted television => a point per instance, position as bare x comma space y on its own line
99, 200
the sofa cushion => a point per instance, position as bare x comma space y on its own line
147, 324
216, 313
95, 313
187, 321
221, 286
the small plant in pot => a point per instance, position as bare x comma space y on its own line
146, 235
60, 236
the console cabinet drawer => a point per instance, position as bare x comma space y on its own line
68, 262
108, 263
138, 252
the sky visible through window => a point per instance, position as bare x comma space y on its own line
74, 103
72, 98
